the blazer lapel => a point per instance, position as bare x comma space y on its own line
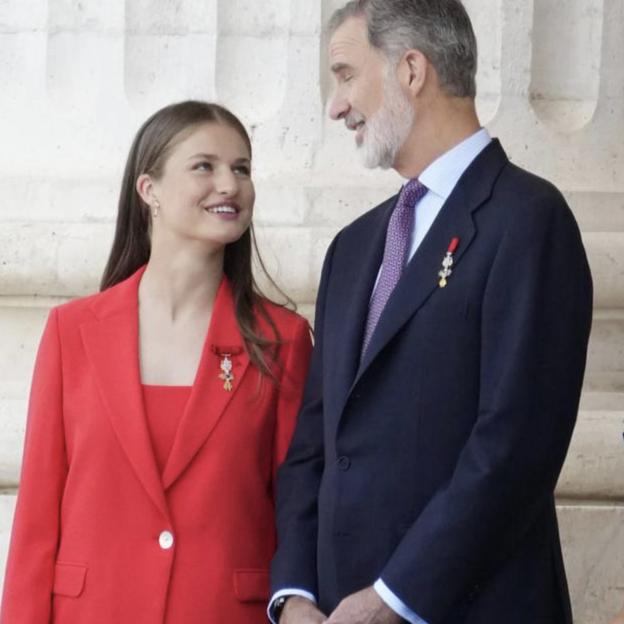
420, 278
209, 398
112, 347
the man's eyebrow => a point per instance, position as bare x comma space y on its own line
338, 67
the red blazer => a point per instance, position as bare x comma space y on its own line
90, 539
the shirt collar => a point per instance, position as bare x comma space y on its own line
441, 176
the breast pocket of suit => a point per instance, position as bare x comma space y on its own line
69, 579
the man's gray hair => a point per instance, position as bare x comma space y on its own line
440, 29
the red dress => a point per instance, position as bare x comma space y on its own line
164, 408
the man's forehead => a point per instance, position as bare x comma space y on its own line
349, 38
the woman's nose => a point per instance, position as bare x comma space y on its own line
226, 183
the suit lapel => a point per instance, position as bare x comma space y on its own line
420, 278
209, 399
360, 275
112, 347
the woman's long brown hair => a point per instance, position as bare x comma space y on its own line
131, 245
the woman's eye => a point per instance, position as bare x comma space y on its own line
204, 166
242, 170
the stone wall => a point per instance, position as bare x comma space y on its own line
78, 77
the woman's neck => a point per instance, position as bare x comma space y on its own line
182, 283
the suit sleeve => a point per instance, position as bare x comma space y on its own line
34, 540
536, 317
299, 478
297, 359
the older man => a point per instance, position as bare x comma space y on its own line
451, 334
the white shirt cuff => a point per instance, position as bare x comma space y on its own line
396, 604
289, 591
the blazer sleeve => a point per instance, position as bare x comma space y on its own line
536, 318
34, 541
295, 369
299, 477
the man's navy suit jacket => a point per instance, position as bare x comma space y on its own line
431, 462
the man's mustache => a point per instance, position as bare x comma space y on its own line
353, 120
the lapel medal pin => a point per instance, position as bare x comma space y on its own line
447, 263
226, 365
226, 372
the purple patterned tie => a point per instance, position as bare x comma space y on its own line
397, 239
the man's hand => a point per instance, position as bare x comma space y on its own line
300, 610
364, 607
619, 619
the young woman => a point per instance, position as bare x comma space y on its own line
161, 406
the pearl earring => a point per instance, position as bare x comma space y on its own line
155, 209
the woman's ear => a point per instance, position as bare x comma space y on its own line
145, 189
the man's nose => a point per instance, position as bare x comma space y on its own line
339, 107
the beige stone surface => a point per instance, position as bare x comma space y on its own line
12, 427
595, 462
593, 546
7, 505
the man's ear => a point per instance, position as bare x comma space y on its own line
412, 71
145, 189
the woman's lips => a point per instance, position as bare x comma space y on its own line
227, 211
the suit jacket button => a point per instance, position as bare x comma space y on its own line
165, 540
343, 463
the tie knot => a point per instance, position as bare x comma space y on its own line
413, 191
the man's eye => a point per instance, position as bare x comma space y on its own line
348, 78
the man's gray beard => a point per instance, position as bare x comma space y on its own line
387, 130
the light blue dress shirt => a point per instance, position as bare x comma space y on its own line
440, 178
